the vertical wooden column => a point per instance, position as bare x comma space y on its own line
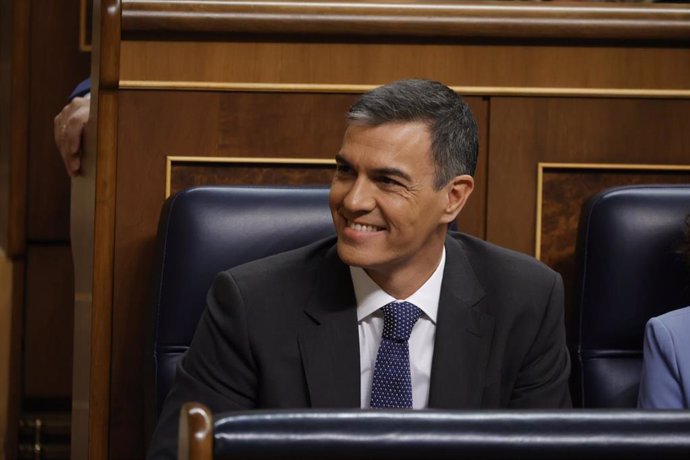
15, 45
11, 319
93, 221
35, 40
14, 126
5, 331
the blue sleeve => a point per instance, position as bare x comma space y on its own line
82, 88
660, 383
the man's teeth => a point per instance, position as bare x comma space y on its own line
363, 228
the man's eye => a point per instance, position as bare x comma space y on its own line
388, 181
343, 169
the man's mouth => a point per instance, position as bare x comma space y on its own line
364, 227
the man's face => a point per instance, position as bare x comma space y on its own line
386, 212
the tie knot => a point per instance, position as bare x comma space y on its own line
398, 320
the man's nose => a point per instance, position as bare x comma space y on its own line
360, 197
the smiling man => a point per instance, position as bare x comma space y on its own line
394, 312
390, 216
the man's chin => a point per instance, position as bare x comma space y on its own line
354, 257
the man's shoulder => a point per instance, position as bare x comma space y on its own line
498, 260
291, 261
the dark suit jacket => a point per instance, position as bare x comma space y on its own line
282, 333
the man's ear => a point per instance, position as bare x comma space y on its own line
457, 191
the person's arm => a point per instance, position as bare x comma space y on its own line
68, 127
217, 370
660, 386
543, 378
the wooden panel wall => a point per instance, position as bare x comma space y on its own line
565, 189
526, 131
240, 80
40, 63
462, 62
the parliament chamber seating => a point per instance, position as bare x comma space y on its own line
205, 230
566, 99
433, 435
630, 270
627, 235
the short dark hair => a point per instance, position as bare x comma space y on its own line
454, 139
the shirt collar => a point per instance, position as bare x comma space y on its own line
370, 297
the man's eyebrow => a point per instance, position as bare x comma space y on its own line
339, 159
393, 172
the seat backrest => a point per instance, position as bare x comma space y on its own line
630, 270
433, 434
205, 230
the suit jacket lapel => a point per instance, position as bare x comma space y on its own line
463, 336
330, 342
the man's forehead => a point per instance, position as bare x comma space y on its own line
373, 162
358, 126
386, 140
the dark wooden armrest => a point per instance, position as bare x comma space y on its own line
196, 432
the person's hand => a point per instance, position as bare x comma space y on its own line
68, 126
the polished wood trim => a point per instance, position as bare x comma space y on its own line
108, 67
103, 260
540, 204
358, 89
6, 290
18, 130
171, 160
436, 19
338, 60
105, 72
614, 166
544, 166
195, 439
276, 160
14, 380
13, 232
83, 24
245, 87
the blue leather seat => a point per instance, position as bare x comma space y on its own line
434, 435
630, 270
205, 230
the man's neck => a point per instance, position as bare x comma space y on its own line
405, 281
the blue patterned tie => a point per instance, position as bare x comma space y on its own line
392, 383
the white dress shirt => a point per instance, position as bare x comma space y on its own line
370, 298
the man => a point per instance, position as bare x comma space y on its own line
486, 323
